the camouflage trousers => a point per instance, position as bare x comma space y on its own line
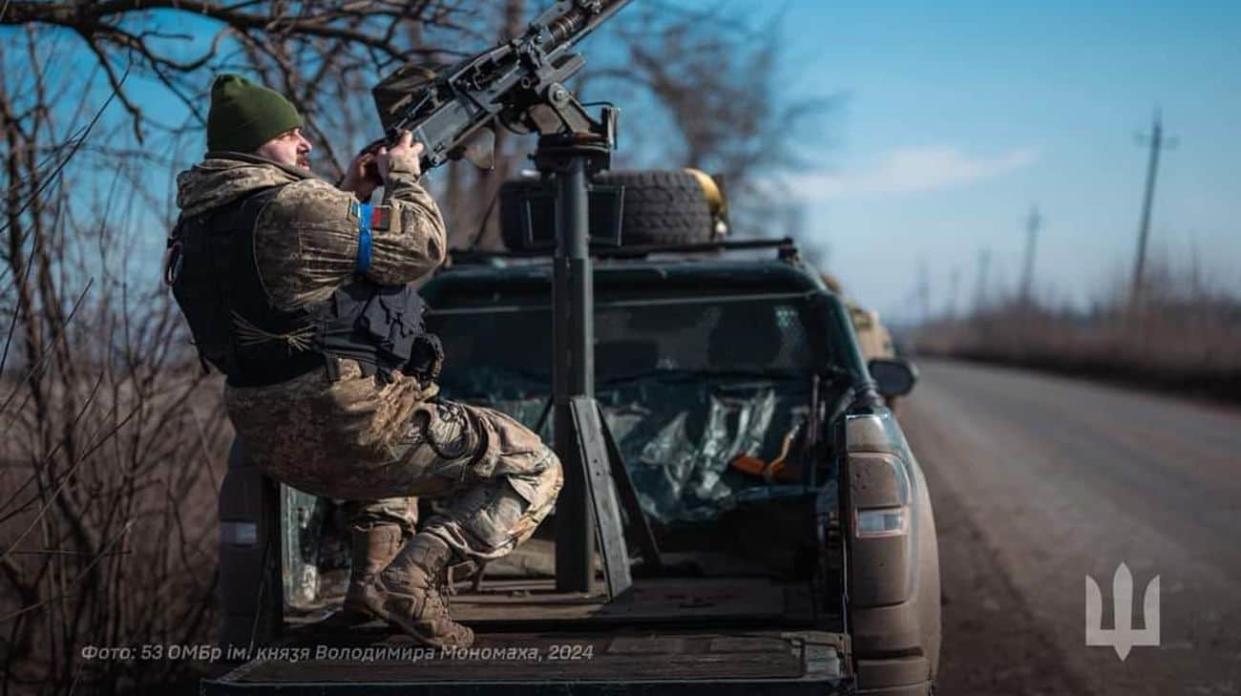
401, 511
496, 478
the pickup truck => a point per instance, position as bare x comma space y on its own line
796, 547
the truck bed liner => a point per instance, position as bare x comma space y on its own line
520, 603
723, 662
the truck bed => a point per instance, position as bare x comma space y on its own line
736, 662
666, 635
534, 603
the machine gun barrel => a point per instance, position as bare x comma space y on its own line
510, 79
566, 28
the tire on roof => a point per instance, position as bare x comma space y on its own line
660, 207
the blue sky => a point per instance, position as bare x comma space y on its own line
961, 115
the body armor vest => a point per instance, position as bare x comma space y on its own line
215, 279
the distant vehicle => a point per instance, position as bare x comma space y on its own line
873, 337
796, 541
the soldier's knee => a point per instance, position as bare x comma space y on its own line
541, 487
365, 514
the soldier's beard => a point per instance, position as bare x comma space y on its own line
303, 161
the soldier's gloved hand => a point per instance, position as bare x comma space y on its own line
402, 157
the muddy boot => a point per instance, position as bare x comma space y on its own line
373, 550
411, 594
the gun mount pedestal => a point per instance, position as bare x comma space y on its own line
587, 499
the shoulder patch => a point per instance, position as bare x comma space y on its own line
381, 217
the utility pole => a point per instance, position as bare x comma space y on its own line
923, 291
980, 285
1027, 277
1157, 143
954, 285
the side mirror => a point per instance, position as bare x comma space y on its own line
893, 376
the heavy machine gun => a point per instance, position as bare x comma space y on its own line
518, 85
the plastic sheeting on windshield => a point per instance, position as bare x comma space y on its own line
678, 438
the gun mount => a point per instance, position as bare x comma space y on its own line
519, 85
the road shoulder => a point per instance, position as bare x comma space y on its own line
993, 644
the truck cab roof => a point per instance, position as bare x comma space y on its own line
646, 274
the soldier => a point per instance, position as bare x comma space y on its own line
299, 293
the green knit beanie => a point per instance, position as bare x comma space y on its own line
244, 115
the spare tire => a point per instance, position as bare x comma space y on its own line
659, 207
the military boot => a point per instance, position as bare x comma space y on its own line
411, 594
374, 548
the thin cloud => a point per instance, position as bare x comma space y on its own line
909, 170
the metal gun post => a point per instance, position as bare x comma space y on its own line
569, 158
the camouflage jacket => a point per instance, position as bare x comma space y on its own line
305, 246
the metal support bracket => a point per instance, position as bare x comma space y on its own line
592, 450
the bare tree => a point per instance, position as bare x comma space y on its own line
111, 453
717, 80
105, 450
322, 55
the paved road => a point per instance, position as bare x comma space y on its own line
1038, 481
